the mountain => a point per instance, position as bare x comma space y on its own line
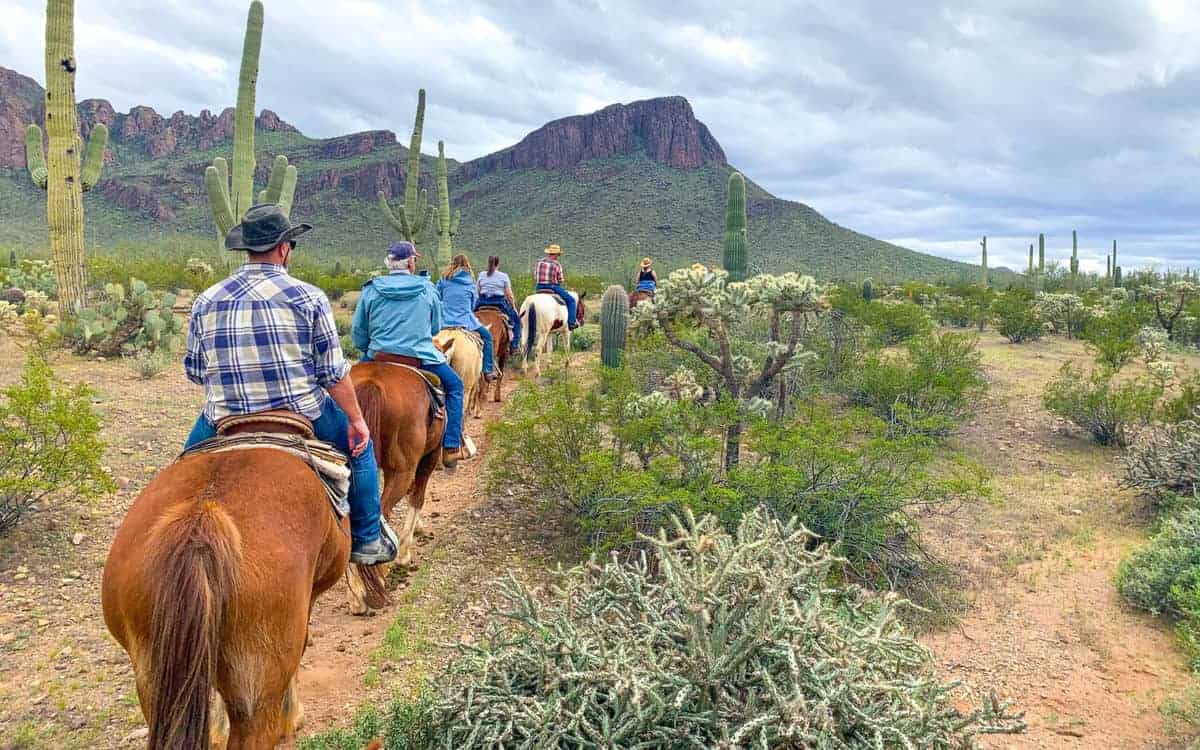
645, 178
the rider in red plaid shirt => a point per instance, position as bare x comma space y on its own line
548, 275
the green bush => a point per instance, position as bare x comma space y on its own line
894, 322
584, 338
1016, 317
714, 639
405, 725
1165, 463
928, 391
1184, 403
49, 443
954, 311
1110, 336
148, 364
1100, 404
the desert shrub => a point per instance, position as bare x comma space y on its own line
1110, 336
404, 725
1065, 313
1165, 462
1106, 408
893, 323
954, 311
125, 321
929, 390
584, 338
148, 364
10, 317
713, 639
1016, 317
49, 442
1182, 404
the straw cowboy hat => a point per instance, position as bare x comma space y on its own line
553, 250
645, 262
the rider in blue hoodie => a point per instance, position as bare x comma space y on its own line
398, 314
459, 296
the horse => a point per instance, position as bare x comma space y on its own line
638, 296
496, 322
466, 358
208, 587
542, 314
398, 410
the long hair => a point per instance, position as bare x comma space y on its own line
493, 264
457, 263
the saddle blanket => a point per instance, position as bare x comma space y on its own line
329, 464
475, 337
503, 313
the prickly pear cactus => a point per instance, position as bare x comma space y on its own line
614, 321
127, 321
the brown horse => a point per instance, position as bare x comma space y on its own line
208, 587
408, 445
637, 297
496, 322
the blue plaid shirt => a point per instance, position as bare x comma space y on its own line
262, 340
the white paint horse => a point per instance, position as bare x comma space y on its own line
541, 316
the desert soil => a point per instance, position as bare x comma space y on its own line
1041, 623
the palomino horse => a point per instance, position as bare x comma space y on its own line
638, 296
466, 358
398, 411
542, 314
208, 587
496, 322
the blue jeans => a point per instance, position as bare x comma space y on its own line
454, 402
571, 321
489, 356
514, 319
646, 286
333, 427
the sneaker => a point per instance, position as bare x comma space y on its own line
380, 550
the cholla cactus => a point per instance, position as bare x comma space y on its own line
704, 295
682, 385
713, 639
1170, 300
8, 316
1064, 312
197, 267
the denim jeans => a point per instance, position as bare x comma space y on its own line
333, 427
454, 402
573, 323
489, 344
514, 319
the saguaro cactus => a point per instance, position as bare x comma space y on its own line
1108, 267
230, 195
444, 224
1074, 253
1041, 253
1113, 259
58, 170
734, 242
413, 215
1031, 259
614, 321
983, 261
868, 290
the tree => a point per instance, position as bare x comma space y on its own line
699, 297
1169, 301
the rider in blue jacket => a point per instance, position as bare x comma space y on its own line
459, 296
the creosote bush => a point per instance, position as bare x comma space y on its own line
49, 443
1110, 336
709, 639
1107, 408
1016, 317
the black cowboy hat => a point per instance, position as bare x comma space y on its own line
263, 227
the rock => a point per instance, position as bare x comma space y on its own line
136, 736
123, 482
77, 539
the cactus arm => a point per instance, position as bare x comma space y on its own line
454, 223
35, 156
287, 191
242, 192
218, 196
93, 161
398, 222
275, 182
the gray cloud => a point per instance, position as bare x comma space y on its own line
928, 123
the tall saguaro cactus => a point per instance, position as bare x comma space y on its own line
1031, 260
734, 242
230, 195
444, 223
58, 170
1074, 253
614, 323
413, 215
1041, 254
983, 261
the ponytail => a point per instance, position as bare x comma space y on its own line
493, 264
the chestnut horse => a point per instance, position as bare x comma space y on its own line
496, 322
408, 445
637, 296
208, 587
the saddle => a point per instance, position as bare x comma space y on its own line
472, 335
291, 433
503, 316
557, 297
433, 384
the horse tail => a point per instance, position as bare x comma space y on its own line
530, 331
370, 402
195, 558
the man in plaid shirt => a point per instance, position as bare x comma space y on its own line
263, 340
548, 276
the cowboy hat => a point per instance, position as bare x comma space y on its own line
553, 250
263, 227
645, 262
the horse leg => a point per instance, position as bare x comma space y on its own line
293, 709
218, 722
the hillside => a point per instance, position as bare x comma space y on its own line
645, 178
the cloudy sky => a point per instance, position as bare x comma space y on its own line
923, 122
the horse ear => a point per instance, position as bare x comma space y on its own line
582, 294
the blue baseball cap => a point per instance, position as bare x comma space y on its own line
402, 250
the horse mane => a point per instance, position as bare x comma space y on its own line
196, 551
